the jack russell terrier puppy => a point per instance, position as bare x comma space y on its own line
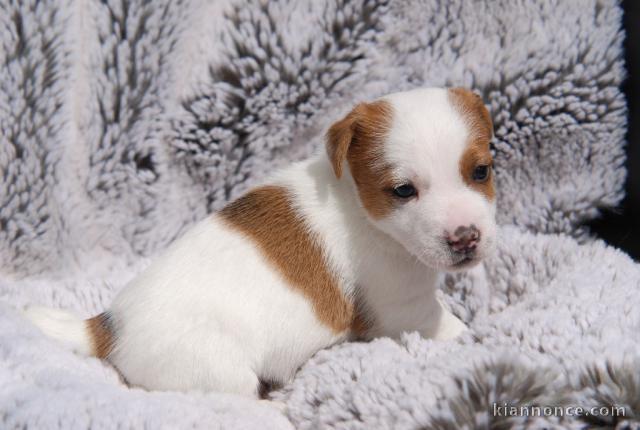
345, 245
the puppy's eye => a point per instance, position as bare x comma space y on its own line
405, 191
481, 173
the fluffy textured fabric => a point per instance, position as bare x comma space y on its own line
123, 122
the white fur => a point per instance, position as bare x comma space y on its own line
62, 326
213, 314
426, 142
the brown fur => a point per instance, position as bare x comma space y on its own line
478, 120
359, 138
101, 333
266, 386
362, 322
267, 217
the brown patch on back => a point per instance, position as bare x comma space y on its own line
478, 120
359, 138
101, 333
267, 217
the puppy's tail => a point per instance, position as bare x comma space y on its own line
87, 337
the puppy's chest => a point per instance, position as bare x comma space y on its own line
395, 296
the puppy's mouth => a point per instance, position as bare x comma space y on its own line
463, 261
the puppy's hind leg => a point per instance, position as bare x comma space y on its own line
281, 407
236, 378
265, 388
245, 383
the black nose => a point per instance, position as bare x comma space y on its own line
464, 240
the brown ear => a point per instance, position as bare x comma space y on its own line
472, 105
339, 138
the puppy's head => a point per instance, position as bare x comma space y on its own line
422, 169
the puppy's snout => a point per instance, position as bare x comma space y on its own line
464, 239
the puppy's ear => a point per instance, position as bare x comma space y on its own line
472, 106
364, 127
339, 138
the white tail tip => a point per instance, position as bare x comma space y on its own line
62, 326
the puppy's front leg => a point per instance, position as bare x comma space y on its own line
445, 325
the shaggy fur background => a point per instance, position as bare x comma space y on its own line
123, 122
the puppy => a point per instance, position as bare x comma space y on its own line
345, 245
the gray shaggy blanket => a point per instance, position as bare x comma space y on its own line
123, 122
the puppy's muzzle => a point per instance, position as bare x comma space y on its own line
464, 240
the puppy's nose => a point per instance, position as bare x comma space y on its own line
464, 239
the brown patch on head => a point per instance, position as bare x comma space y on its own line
267, 217
359, 139
480, 127
102, 336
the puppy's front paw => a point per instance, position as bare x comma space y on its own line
449, 326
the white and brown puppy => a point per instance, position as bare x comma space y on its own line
347, 244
